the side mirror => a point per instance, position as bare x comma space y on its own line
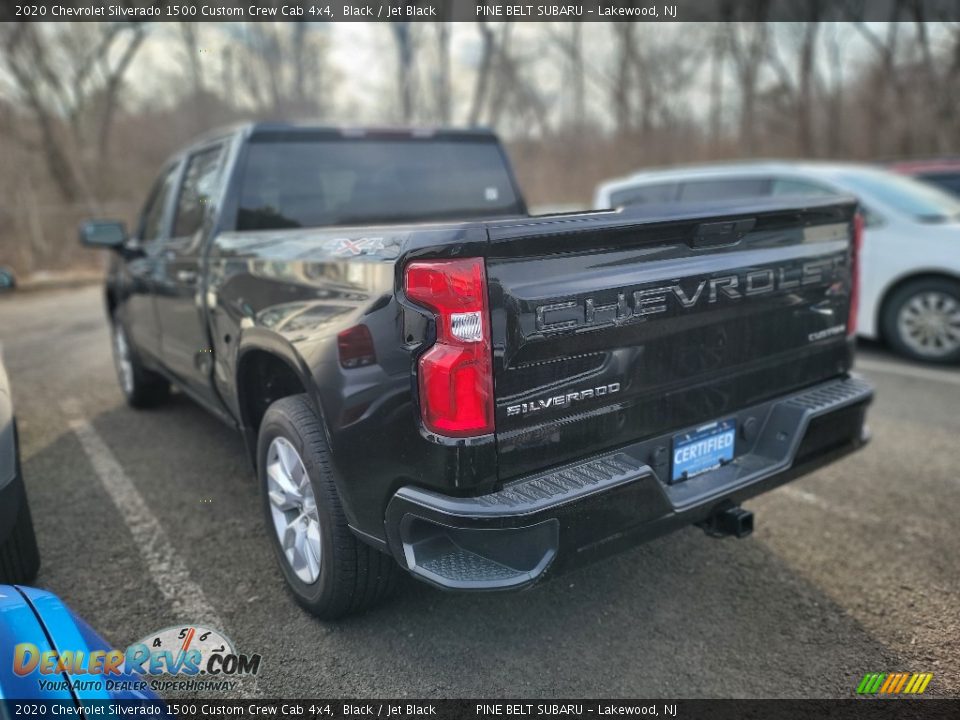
110, 234
7, 279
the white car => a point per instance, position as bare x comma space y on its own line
910, 263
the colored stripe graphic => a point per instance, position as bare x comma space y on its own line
891, 681
870, 683
864, 684
894, 683
923, 682
903, 681
914, 682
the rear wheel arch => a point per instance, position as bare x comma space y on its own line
264, 375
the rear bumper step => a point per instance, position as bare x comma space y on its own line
555, 520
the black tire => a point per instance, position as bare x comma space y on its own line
19, 556
900, 304
143, 388
353, 576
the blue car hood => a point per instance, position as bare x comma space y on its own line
28, 615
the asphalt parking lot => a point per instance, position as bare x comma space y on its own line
148, 519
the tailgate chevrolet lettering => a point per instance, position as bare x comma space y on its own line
637, 305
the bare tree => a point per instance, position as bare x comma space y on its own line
887, 47
442, 75
192, 50
70, 78
799, 84
941, 77
717, 66
482, 81
282, 68
513, 92
747, 45
404, 41
806, 80
835, 93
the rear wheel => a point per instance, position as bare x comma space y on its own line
922, 320
329, 571
141, 387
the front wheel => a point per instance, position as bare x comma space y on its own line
329, 571
922, 320
141, 387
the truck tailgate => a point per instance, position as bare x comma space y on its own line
609, 328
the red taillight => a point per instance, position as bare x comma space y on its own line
455, 375
855, 252
355, 347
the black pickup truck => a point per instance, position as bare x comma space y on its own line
426, 378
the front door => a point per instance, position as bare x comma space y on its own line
185, 340
144, 261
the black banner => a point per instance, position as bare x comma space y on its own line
477, 10
852, 709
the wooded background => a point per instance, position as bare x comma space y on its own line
89, 111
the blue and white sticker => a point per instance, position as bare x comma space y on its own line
706, 448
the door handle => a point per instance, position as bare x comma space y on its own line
186, 276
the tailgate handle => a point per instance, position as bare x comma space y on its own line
725, 232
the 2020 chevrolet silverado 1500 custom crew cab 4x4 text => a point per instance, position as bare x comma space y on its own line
426, 378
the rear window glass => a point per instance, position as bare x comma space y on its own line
311, 183
725, 189
924, 203
945, 181
644, 194
791, 186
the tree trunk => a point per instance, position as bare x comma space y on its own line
443, 73
404, 43
620, 88
805, 101
483, 75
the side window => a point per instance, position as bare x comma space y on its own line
725, 189
643, 194
792, 186
200, 184
151, 221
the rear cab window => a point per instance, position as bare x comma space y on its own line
725, 188
643, 194
293, 180
796, 186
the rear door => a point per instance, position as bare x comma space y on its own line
610, 328
185, 341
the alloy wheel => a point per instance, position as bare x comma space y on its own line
293, 508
